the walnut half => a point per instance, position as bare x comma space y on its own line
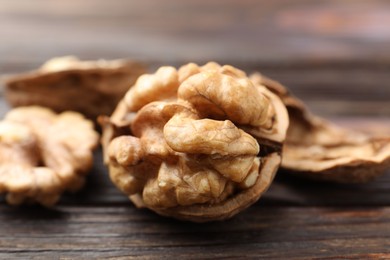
318, 149
43, 154
92, 88
198, 143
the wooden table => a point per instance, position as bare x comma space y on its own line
333, 54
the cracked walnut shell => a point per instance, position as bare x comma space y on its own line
43, 154
92, 88
318, 149
198, 143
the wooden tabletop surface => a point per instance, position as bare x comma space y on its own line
335, 55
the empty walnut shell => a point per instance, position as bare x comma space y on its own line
43, 154
92, 88
198, 143
318, 149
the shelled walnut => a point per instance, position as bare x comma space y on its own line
318, 149
198, 143
92, 88
43, 154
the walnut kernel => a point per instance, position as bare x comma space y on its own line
43, 154
198, 143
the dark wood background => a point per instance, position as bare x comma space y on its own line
335, 55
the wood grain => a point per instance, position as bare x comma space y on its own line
197, 30
259, 232
332, 54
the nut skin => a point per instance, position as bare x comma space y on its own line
320, 150
92, 88
185, 143
43, 154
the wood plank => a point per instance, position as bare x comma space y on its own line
332, 54
272, 232
196, 30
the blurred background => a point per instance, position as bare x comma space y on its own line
333, 54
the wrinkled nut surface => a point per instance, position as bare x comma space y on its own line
198, 143
43, 154
318, 149
92, 88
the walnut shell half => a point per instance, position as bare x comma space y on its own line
43, 154
198, 143
92, 88
318, 149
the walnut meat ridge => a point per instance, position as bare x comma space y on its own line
198, 143
318, 149
43, 154
92, 88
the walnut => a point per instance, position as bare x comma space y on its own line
198, 143
318, 149
43, 154
92, 88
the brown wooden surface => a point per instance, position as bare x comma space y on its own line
333, 54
